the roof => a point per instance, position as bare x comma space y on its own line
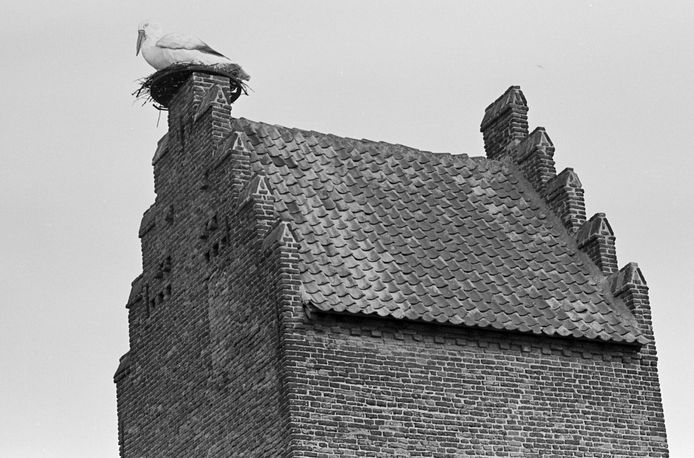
391, 231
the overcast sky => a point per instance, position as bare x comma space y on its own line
611, 82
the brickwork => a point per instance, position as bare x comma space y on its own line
597, 240
505, 123
232, 355
375, 388
202, 374
534, 156
564, 195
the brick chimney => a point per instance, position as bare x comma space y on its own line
505, 132
505, 123
199, 120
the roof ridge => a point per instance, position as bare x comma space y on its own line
363, 141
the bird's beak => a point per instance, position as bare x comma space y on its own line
140, 38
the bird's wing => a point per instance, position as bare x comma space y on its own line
179, 41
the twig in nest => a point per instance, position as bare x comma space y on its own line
159, 87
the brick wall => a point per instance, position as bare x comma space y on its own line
202, 375
379, 388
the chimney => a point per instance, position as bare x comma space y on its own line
201, 103
505, 123
199, 118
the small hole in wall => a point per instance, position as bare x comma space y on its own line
148, 302
167, 264
170, 214
215, 249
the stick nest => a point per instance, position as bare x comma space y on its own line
160, 87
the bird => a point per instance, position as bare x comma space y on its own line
163, 50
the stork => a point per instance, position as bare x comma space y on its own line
162, 50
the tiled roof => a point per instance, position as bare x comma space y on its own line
396, 232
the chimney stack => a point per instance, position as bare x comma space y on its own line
505, 123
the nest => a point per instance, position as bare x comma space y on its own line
160, 87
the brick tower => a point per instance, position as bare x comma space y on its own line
308, 295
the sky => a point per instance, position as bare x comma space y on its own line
610, 81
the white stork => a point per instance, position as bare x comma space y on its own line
160, 50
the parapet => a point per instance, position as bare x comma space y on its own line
505, 131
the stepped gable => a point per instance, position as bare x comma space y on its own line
391, 231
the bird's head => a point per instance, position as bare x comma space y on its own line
146, 29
